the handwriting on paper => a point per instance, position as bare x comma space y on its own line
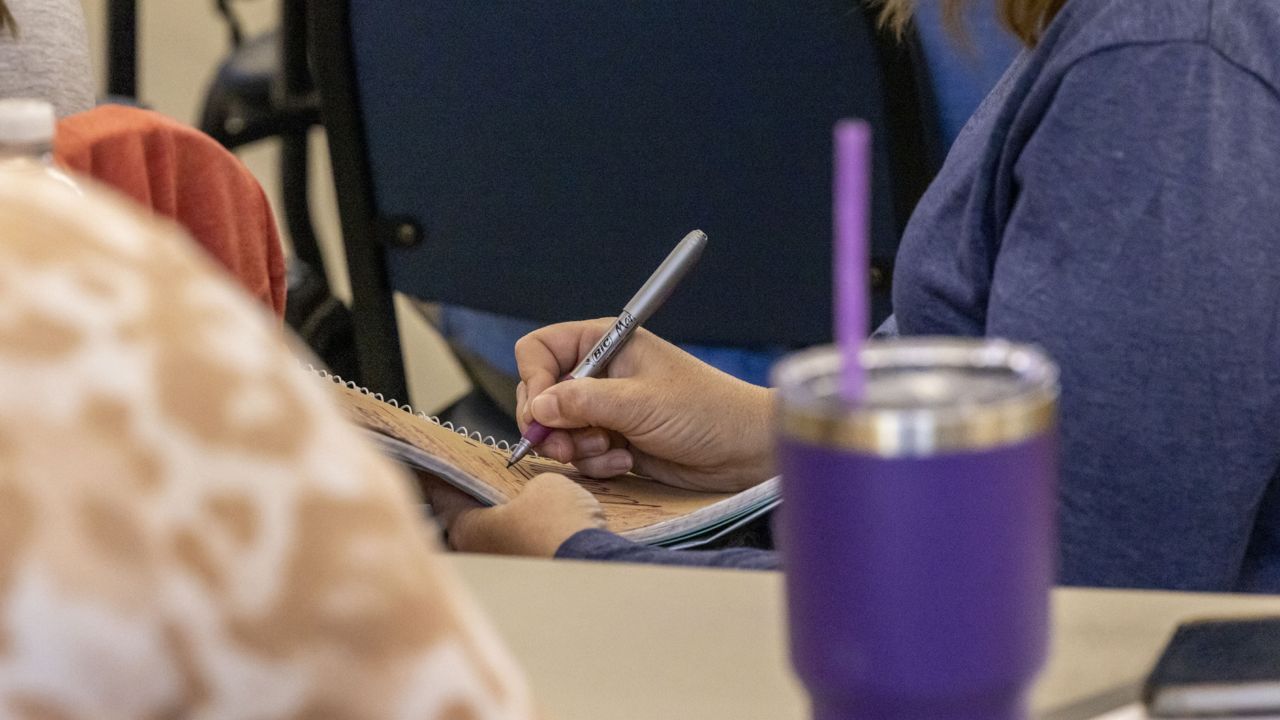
629, 502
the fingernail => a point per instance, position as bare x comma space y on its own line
563, 451
545, 408
619, 464
594, 445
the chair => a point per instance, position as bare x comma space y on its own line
263, 90
122, 49
539, 159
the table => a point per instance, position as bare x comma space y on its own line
604, 641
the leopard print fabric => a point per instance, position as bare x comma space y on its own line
188, 529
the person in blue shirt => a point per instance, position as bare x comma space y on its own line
1113, 201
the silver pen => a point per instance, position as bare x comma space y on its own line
643, 304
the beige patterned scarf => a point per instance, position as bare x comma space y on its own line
187, 527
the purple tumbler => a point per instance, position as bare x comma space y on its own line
917, 528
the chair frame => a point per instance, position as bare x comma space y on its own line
378, 350
122, 48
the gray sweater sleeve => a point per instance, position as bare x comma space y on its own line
1142, 250
602, 545
48, 57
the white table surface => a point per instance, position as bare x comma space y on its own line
604, 641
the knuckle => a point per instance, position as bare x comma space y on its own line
526, 357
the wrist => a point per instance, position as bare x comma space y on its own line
546, 544
752, 461
763, 465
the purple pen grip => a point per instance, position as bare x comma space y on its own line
536, 433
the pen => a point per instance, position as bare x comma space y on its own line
648, 299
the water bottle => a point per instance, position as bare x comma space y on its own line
26, 138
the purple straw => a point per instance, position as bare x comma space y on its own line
852, 203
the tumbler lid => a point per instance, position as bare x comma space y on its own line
925, 396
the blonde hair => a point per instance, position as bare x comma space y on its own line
1025, 18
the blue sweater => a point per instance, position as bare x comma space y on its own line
1117, 201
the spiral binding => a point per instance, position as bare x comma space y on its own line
491, 441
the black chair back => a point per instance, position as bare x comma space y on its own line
539, 159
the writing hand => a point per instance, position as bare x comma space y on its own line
658, 411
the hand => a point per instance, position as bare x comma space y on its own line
659, 411
548, 511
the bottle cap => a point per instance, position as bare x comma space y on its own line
26, 122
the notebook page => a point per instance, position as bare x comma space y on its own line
630, 503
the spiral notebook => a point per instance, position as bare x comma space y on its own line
636, 508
